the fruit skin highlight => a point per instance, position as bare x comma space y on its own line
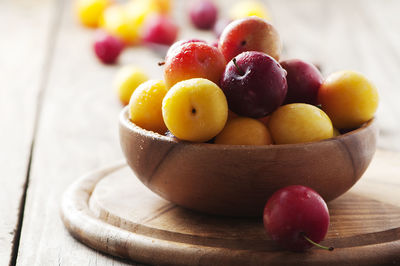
145, 106
195, 110
348, 98
250, 34
177, 45
128, 78
193, 60
160, 29
137, 11
244, 131
299, 123
294, 212
255, 86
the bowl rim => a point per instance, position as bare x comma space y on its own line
128, 124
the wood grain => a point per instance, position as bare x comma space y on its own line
26, 35
237, 180
358, 35
78, 128
134, 223
77, 132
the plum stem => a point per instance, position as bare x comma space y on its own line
161, 63
238, 68
316, 244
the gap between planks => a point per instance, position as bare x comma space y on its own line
55, 21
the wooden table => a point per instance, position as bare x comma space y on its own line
58, 112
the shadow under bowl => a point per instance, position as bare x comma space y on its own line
237, 180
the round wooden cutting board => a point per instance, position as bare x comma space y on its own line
111, 211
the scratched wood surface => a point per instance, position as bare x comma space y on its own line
55, 95
21, 82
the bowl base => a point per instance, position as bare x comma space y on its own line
112, 211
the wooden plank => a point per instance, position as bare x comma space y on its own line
144, 224
77, 132
358, 35
382, 66
26, 31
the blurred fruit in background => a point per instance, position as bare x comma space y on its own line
107, 47
160, 29
139, 10
164, 5
244, 9
158, 6
89, 11
203, 14
128, 78
116, 21
129, 20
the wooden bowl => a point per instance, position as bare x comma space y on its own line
238, 180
